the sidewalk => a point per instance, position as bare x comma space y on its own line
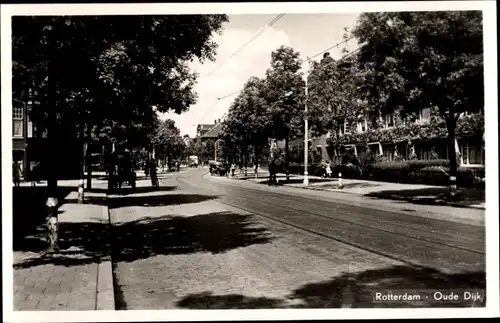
412, 193
79, 276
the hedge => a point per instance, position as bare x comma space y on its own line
431, 175
431, 172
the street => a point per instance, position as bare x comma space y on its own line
283, 160
219, 243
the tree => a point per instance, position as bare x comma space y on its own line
248, 123
334, 97
97, 72
126, 65
424, 59
285, 94
167, 141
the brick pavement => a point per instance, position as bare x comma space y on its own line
173, 252
67, 280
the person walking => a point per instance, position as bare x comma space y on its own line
153, 174
16, 173
233, 168
328, 170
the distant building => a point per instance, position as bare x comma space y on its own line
202, 129
25, 136
208, 131
214, 132
470, 148
29, 143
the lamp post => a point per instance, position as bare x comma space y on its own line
215, 148
306, 135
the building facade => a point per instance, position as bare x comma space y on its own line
26, 138
30, 146
392, 138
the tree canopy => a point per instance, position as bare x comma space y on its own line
416, 59
285, 93
113, 69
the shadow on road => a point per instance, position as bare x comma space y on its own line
83, 243
157, 200
432, 196
283, 181
358, 289
213, 232
354, 290
350, 185
207, 300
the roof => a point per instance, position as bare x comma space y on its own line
214, 132
205, 126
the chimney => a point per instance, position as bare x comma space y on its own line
215, 121
218, 121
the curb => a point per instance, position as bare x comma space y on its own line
105, 289
458, 205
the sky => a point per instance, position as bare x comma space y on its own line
308, 34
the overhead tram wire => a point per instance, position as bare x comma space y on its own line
206, 113
309, 58
260, 32
331, 47
217, 101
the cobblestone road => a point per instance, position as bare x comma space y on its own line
181, 248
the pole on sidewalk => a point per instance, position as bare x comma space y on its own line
81, 194
306, 139
52, 225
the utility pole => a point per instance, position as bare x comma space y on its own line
81, 181
52, 202
306, 136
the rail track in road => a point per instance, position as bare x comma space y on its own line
371, 230
418, 223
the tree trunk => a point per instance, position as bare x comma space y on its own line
246, 160
451, 125
287, 158
52, 160
82, 167
257, 157
87, 158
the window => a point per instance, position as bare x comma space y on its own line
389, 120
362, 125
346, 127
342, 128
17, 121
472, 153
425, 114
388, 152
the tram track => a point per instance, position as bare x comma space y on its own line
326, 225
421, 232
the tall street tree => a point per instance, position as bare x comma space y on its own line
168, 142
285, 95
105, 69
248, 123
425, 59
